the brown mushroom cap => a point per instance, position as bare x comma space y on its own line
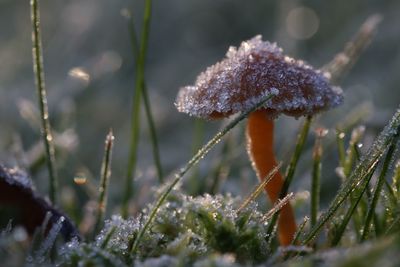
251, 72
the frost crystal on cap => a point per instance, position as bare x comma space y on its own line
251, 72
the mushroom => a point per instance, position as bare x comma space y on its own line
25, 207
246, 76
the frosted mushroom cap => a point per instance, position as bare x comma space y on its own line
247, 74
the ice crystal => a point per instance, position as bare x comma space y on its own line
124, 230
247, 74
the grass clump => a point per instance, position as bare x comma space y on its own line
186, 229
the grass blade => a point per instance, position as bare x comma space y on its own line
107, 237
196, 186
296, 156
354, 203
344, 60
153, 135
279, 205
222, 168
316, 175
300, 230
193, 161
301, 139
351, 158
296, 238
256, 192
38, 70
341, 149
362, 170
104, 181
147, 105
378, 189
135, 116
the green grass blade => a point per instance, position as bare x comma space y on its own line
104, 181
301, 139
362, 170
108, 236
147, 106
396, 180
356, 200
378, 189
153, 135
196, 185
341, 149
38, 70
352, 157
300, 230
135, 116
222, 168
193, 161
316, 175
296, 156
393, 189
352, 151
296, 238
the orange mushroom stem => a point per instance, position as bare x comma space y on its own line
260, 139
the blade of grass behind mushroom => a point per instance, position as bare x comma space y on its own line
296, 238
316, 176
357, 115
360, 173
378, 189
278, 206
301, 138
222, 168
344, 60
256, 192
38, 70
135, 115
196, 186
340, 147
146, 102
104, 181
350, 160
225, 159
300, 230
192, 162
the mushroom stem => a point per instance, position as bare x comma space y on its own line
260, 138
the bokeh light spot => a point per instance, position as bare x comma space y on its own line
302, 23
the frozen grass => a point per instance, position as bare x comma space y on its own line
104, 181
41, 92
137, 97
221, 230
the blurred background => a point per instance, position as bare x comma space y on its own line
89, 68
